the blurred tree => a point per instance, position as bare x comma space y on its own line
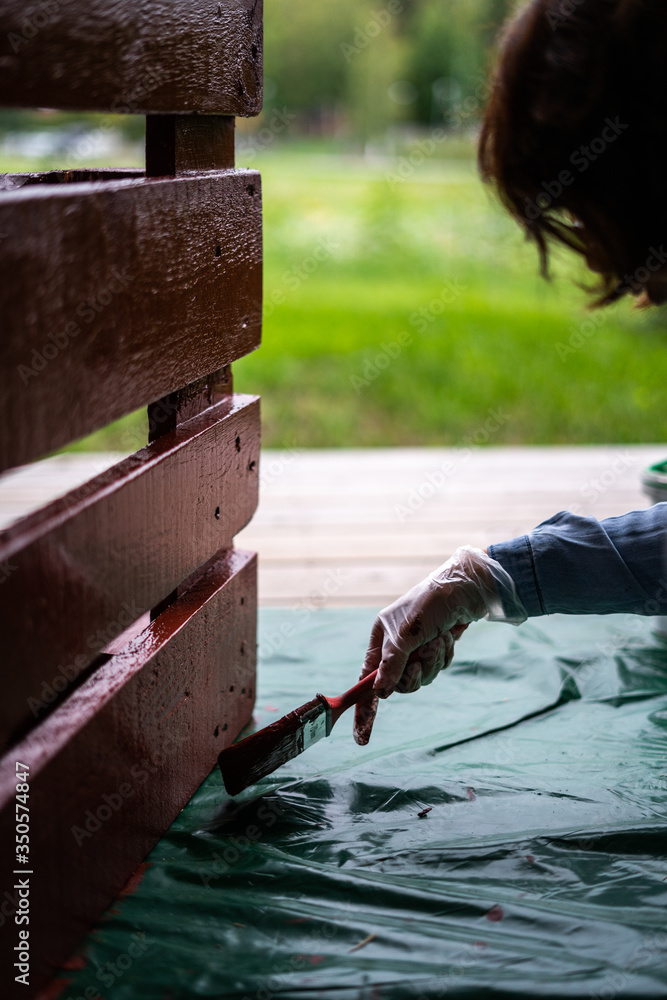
365, 63
380, 62
449, 45
304, 63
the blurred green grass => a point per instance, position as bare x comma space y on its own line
488, 339
335, 370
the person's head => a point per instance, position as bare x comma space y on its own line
574, 135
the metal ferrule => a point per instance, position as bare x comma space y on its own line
315, 724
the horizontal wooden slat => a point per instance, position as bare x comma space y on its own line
12, 182
111, 768
81, 569
115, 294
132, 58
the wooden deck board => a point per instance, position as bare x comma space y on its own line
339, 528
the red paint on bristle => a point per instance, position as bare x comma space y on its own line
244, 763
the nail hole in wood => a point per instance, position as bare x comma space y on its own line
242, 690
243, 600
216, 731
251, 190
231, 689
238, 443
243, 649
217, 513
218, 251
252, 466
224, 726
253, 49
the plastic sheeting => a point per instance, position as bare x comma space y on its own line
540, 869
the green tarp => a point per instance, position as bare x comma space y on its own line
540, 870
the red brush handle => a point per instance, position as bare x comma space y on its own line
351, 697
365, 687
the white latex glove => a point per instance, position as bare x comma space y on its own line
422, 625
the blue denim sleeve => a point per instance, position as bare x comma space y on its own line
579, 565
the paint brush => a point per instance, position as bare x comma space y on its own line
244, 763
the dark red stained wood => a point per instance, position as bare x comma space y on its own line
116, 294
133, 57
167, 413
85, 566
143, 731
12, 182
177, 143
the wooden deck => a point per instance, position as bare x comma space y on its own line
361, 526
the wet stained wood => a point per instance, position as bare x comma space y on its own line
116, 294
133, 58
167, 413
111, 768
84, 567
178, 143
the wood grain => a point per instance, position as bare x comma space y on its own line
89, 564
178, 143
116, 294
112, 767
133, 58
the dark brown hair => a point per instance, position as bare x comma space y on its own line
575, 134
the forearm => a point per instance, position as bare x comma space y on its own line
578, 565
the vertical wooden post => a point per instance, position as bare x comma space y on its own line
178, 143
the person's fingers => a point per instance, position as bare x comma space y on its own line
364, 717
374, 651
458, 630
411, 679
433, 656
391, 669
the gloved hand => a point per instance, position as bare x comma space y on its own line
412, 640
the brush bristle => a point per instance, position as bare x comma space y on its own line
244, 763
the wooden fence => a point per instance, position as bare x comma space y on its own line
128, 619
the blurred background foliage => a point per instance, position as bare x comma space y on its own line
401, 305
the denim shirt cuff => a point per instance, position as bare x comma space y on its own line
516, 557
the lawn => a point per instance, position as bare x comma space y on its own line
426, 313
410, 312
